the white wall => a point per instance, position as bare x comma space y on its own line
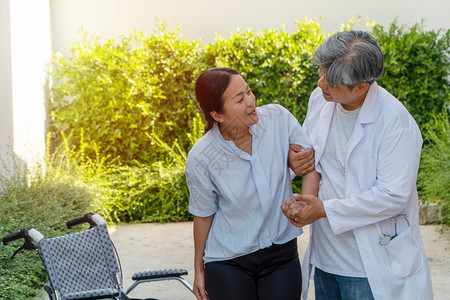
25, 50
204, 18
5, 80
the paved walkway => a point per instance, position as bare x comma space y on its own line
158, 246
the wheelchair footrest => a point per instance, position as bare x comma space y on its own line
159, 274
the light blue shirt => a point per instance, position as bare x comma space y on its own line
245, 191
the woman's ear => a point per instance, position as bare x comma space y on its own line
216, 116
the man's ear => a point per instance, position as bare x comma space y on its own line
216, 116
362, 88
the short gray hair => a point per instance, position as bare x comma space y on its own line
350, 57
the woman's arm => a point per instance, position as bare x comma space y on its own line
310, 184
202, 225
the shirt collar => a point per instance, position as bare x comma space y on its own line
255, 130
367, 113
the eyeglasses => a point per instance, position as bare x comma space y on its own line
385, 238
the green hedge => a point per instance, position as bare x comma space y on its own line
275, 63
130, 102
117, 93
36, 200
131, 99
433, 179
417, 68
123, 90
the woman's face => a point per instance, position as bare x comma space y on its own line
239, 110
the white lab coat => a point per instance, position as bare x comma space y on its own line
382, 161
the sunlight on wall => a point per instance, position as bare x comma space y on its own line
202, 19
5, 81
30, 52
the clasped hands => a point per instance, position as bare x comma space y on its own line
303, 209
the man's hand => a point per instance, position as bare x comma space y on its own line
300, 161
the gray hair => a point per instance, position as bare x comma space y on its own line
350, 57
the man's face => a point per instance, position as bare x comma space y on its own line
350, 99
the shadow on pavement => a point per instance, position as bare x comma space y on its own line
158, 246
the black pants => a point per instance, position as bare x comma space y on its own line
270, 273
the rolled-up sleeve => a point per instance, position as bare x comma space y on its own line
297, 134
203, 196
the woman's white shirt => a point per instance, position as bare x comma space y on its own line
245, 191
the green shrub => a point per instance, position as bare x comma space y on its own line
275, 63
98, 97
120, 90
132, 192
434, 173
128, 104
21, 278
144, 194
147, 193
35, 199
417, 67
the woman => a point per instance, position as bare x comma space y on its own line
238, 177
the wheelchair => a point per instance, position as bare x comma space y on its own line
85, 265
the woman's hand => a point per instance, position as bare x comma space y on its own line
199, 286
201, 230
291, 209
305, 210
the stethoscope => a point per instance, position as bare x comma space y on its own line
385, 238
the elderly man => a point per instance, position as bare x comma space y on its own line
365, 241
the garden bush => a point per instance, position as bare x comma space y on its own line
434, 177
118, 91
143, 192
417, 66
32, 198
132, 191
130, 101
275, 63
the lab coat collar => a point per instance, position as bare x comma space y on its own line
367, 113
366, 116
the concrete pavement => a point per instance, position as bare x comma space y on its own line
144, 247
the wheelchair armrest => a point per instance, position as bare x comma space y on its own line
154, 274
159, 275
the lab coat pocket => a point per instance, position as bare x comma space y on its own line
403, 255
